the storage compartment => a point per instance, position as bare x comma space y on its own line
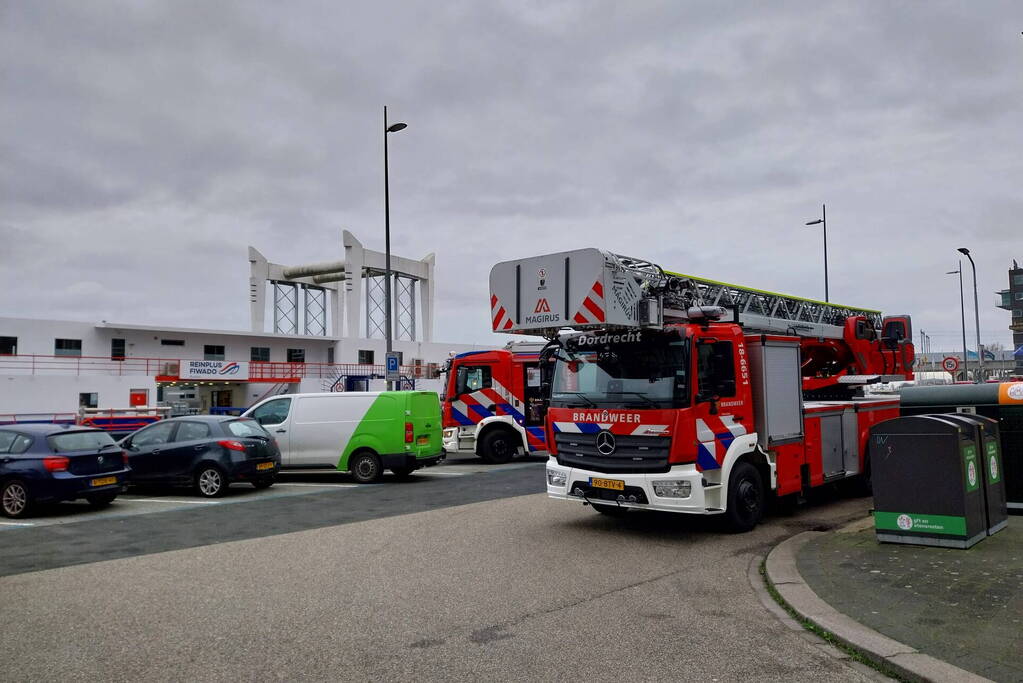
777, 385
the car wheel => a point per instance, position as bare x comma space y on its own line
101, 500
745, 498
610, 510
263, 483
210, 481
365, 467
402, 472
14, 500
497, 447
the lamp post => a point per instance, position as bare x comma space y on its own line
393, 128
962, 314
976, 312
824, 220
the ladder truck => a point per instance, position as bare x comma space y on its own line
681, 394
493, 401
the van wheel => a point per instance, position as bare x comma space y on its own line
365, 467
497, 447
745, 498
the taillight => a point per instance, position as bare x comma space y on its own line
409, 436
56, 463
233, 445
124, 457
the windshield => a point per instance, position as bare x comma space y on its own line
633, 370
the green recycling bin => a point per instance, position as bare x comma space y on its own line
989, 447
928, 487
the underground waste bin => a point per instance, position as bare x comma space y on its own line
990, 462
925, 471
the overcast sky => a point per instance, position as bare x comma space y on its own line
143, 146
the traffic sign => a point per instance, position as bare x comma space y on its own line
393, 374
950, 364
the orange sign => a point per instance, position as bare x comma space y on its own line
1010, 393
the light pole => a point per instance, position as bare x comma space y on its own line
962, 314
393, 128
976, 312
824, 220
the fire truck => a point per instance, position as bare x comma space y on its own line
494, 403
682, 394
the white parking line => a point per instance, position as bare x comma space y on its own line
18, 523
322, 486
446, 474
168, 500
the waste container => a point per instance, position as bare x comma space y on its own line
928, 490
992, 473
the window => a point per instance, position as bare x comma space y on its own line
330, 354
272, 412
259, 354
11, 442
1017, 313
192, 431
473, 378
212, 352
8, 346
6, 439
116, 349
88, 400
715, 369
1019, 296
67, 347
158, 434
365, 357
296, 355
1017, 279
91, 440
172, 342
246, 427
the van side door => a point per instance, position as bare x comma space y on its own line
275, 417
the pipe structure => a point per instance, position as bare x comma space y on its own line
329, 277
309, 269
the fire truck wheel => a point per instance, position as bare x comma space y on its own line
611, 510
745, 498
497, 446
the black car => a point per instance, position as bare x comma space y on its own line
206, 452
48, 463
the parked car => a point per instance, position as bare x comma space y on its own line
49, 463
361, 432
206, 452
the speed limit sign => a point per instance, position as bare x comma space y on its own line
950, 364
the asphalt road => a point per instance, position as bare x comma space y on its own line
509, 588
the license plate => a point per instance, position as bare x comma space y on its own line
613, 484
423, 441
265, 466
104, 481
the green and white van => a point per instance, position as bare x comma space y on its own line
361, 432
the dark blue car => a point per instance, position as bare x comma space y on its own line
47, 463
206, 452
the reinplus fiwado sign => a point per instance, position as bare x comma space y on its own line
214, 370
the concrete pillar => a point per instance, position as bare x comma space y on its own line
355, 259
259, 273
426, 299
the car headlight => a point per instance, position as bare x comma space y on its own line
672, 489
555, 478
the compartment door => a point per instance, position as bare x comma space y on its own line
832, 456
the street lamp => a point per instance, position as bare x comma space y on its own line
824, 220
393, 128
962, 314
976, 312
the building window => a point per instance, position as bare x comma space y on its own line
8, 346
88, 400
1017, 279
1017, 313
365, 357
296, 355
212, 352
67, 347
330, 355
116, 349
259, 354
1019, 296
172, 342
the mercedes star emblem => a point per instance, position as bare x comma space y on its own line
605, 443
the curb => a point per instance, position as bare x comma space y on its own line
908, 662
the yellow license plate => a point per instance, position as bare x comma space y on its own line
613, 484
423, 441
104, 481
265, 466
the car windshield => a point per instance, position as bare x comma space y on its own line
81, 441
631, 369
246, 427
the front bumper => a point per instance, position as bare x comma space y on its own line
704, 498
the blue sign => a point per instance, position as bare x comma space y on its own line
392, 366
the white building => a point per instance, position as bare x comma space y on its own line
56, 366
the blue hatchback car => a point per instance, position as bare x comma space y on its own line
48, 463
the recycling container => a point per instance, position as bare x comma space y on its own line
992, 474
927, 482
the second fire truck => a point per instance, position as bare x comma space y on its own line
682, 394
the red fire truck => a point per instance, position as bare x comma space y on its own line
682, 394
493, 403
